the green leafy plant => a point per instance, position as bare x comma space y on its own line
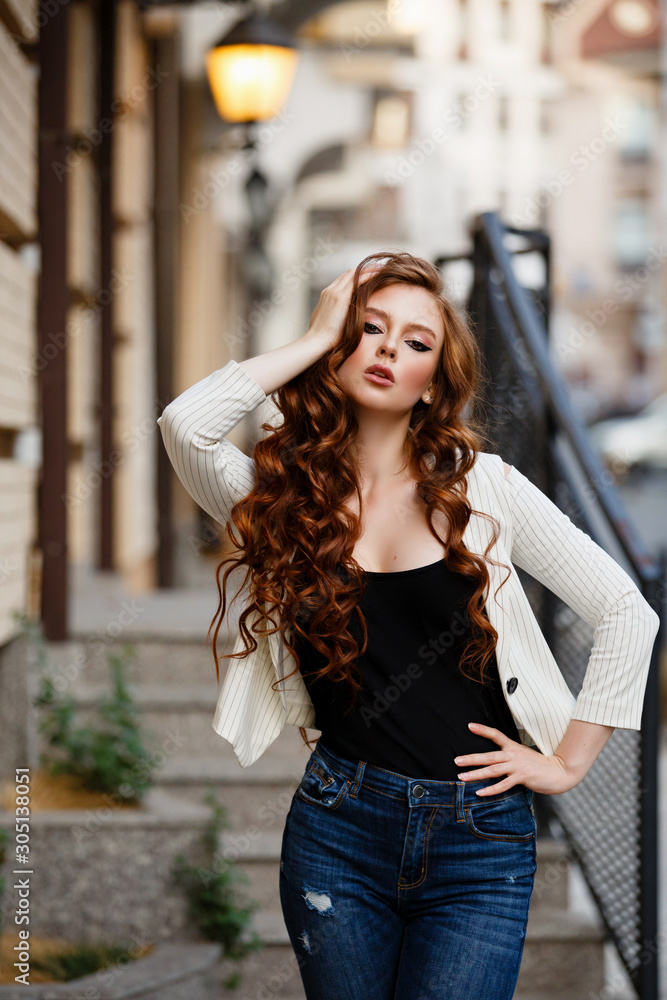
211, 891
110, 756
78, 960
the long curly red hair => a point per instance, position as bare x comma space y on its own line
294, 533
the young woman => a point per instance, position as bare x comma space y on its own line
382, 607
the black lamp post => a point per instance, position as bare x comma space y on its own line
250, 72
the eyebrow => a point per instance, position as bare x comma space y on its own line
408, 326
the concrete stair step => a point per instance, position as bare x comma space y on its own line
284, 767
272, 972
551, 888
174, 660
563, 959
178, 971
154, 697
563, 955
256, 798
107, 870
255, 804
177, 719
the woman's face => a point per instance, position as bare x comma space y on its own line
404, 333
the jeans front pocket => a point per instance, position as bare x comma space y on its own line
321, 785
508, 818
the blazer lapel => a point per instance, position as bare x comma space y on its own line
476, 537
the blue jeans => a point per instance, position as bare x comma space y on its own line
398, 888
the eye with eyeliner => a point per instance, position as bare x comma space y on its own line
422, 347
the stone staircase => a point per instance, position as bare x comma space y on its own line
173, 681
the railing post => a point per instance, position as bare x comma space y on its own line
648, 984
511, 333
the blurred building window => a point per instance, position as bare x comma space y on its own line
650, 329
545, 117
503, 112
504, 21
547, 10
391, 120
463, 29
637, 140
581, 281
630, 232
462, 106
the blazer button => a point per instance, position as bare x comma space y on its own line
511, 684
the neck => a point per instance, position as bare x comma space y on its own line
380, 449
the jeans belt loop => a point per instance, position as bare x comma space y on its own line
358, 778
460, 792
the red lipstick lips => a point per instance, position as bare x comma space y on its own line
380, 374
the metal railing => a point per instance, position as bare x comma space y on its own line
610, 819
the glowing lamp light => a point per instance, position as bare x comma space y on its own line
409, 16
633, 17
250, 70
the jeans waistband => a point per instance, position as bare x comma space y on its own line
426, 791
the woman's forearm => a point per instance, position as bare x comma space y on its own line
274, 368
581, 744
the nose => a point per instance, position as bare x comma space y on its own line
387, 349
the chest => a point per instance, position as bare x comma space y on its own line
395, 533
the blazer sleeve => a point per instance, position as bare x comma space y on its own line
552, 549
213, 470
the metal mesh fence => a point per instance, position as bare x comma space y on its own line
601, 816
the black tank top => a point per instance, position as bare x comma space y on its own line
412, 716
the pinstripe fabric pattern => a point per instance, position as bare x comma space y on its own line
535, 536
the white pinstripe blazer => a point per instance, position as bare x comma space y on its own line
535, 536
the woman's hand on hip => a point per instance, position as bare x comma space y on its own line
520, 764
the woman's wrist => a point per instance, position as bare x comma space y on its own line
323, 339
580, 746
274, 368
571, 774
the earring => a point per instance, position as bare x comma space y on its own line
427, 397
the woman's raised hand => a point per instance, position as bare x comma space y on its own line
276, 367
328, 316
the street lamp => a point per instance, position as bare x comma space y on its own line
250, 70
